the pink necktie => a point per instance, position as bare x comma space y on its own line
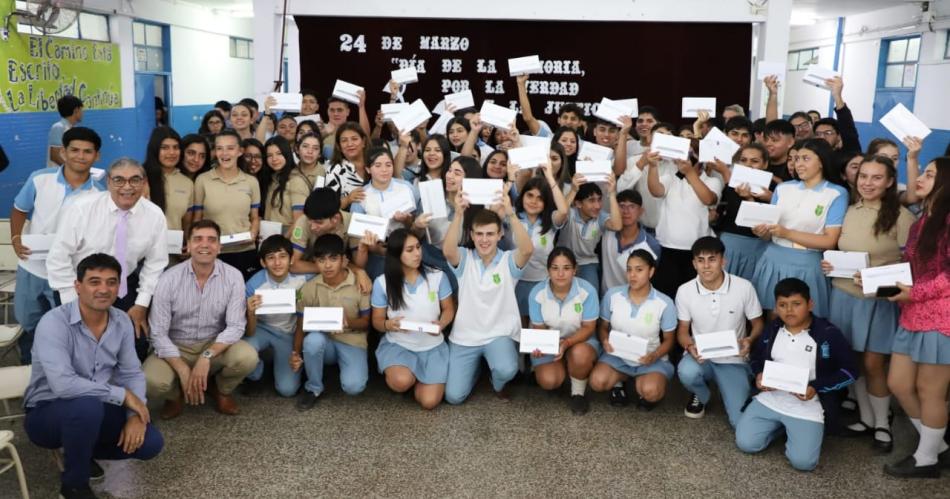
121, 230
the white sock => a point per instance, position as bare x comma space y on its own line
879, 408
916, 423
928, 448
578, 386
864, 404
619, 384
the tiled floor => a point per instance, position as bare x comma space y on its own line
382, 444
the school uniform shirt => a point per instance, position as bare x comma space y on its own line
724, 309
317, 293
301, 184
55, 139
613, 263
45, 198
857, 234
422, 304
582, 236
809, 210
797, 350
284, 323
283, 213
302, 238
580, 305
487, 307
683, 217
537, 267
179, 197
343, 178
229, 203
657, 314
89, 227
397, 189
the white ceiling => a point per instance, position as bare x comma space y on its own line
802, 9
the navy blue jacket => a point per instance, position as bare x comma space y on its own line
834, 360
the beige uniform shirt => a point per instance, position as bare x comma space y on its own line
179, 197
857, 234
229, 203
316, 293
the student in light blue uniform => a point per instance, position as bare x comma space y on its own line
586, 222
36, 211
387, 197
812, 211
412, 358
638, 310
569, 305
488, 323
616, 246
542, 209
275, 331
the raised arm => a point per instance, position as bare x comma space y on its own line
450, 245
620, 150
533, 125
771, 107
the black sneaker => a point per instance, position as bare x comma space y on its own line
883, 446
907, 468
579, 405
306, 401
943, 459
76, 493
95, 471
644, 405
618, 396
695, 409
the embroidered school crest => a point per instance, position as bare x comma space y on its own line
819, 210
808, 348
298, 232
578, 307
544, 240
496, 278
648, 317
432, 296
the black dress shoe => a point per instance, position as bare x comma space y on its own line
579, 405
848, 432
883, 446
76, 493
95, 471
907, 468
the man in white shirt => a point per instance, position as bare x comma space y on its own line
120, 223
70, 111
714, 302
37, 210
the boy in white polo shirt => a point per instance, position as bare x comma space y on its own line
488, 322
712, 302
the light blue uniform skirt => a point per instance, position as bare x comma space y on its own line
661, 366
430, 367
779, 262
923, 347
869, 324
742, 253
547, 359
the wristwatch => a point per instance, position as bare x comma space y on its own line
207, 354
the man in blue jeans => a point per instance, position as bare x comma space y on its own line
87, 390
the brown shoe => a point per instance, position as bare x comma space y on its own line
172, 408
225, 404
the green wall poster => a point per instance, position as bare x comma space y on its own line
38, 70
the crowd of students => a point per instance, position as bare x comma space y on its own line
652, 252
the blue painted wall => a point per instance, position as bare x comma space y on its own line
23, 137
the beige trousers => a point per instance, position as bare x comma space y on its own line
229, 369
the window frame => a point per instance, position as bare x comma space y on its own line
903, 63
813, 51
166, 62
234, 41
